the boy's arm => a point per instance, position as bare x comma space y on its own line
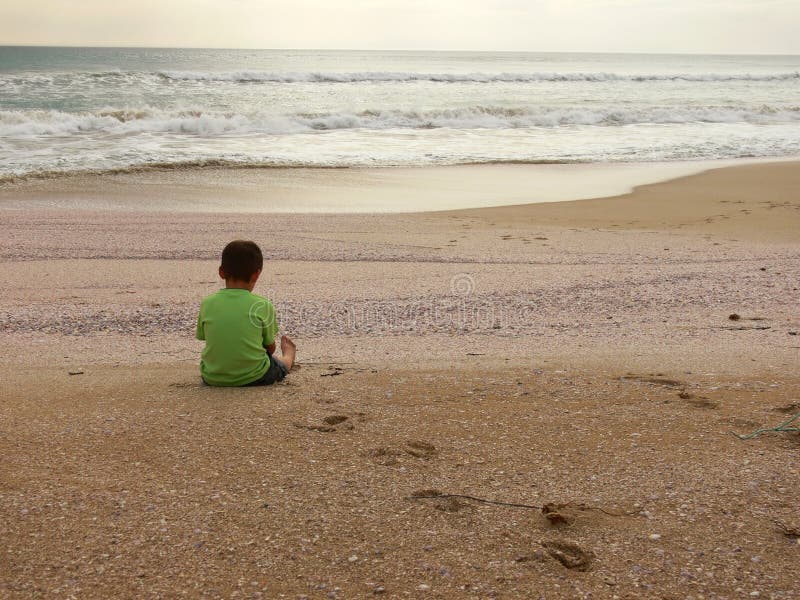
200, 333
270, 329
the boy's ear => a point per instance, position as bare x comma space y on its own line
222, 273
254, 277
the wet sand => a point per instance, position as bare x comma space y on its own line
340, 190
577, 353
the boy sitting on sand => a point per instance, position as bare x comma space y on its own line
239, 327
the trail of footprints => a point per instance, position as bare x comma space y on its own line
384, 455
568, 554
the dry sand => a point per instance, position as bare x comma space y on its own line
576, 353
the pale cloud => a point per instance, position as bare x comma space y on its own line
732, 26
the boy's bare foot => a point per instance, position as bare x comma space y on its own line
288, 351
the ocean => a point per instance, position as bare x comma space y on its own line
98, 109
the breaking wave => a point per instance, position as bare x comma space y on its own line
10, 81
20, 124
380, 76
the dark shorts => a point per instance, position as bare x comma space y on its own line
276, 372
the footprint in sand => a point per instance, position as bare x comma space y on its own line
653, 380
568, 554
340, 421
320, 428
419, 449
390, 456
697, 401
703, 403
386, 457
335, 419
442, 502
450, 505
559, 514
331, 424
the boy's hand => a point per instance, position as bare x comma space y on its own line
271, 348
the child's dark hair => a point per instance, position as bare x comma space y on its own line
240, 259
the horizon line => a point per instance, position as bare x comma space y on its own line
297, 49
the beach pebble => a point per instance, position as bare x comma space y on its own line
423, 587
655, 536
353, 558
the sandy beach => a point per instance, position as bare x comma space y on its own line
577, 354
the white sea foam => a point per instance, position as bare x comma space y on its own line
318, 77
119, 109
213, 123
8, 80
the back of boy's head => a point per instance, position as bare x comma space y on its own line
241, 259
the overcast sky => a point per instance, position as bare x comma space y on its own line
702, 26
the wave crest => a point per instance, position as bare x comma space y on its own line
129, 121
10, 81
388, 76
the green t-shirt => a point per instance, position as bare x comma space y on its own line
237, 327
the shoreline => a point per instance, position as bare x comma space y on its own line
751, 202
350, 190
